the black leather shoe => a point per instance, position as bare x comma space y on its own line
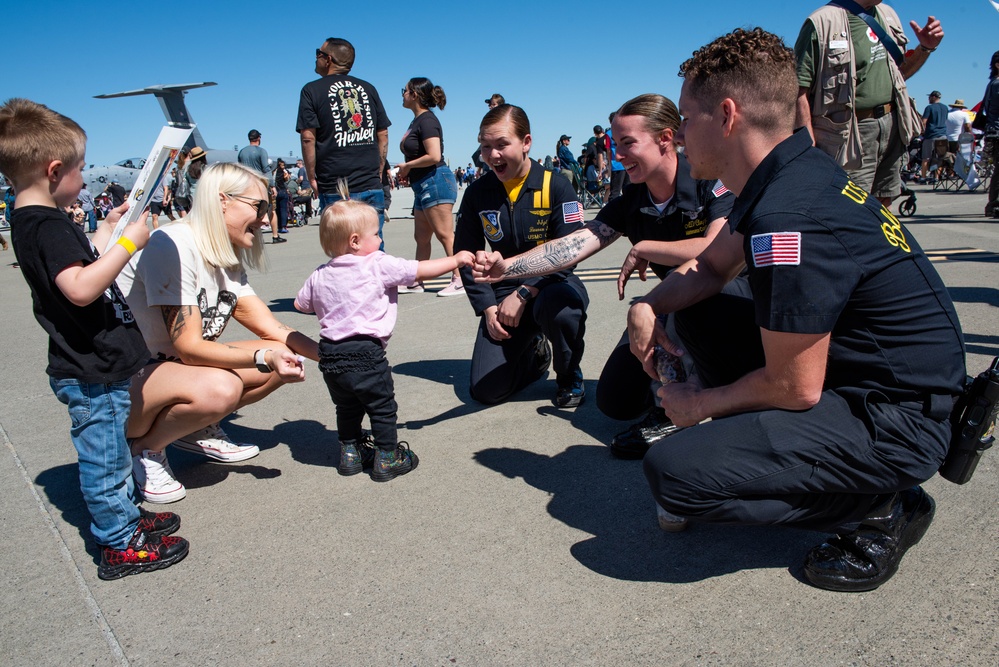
633, 443
869, 556
573, 393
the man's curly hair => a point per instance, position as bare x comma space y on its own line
753, 67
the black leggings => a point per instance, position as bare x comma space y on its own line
359, 380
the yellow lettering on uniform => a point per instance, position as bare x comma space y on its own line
855, 192
892, 230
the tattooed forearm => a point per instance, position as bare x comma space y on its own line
563, 252
175, 317
555, 255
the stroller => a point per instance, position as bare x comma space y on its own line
907, 206
913, 161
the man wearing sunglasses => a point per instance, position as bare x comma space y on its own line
344, 130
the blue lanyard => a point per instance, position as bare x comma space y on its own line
858, 11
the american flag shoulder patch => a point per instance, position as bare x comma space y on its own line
572, 211
719, 189
776, 249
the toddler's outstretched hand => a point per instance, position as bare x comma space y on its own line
464, 258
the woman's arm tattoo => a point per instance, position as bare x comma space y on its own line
175, 317
605, 235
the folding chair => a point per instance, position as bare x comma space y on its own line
589, 192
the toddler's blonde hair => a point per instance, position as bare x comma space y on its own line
343, 218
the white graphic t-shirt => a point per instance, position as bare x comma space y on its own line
169, 271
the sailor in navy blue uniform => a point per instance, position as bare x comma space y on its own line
516, 206
831, 401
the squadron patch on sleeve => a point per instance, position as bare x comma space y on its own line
490, 225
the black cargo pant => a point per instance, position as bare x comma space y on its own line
502, 368
823, 468
624, 389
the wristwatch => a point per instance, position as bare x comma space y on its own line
260, 360
524, 294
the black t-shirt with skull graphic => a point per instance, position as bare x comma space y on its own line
347, 115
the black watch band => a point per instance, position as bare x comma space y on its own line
524, 294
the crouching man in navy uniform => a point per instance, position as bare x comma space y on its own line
831, 403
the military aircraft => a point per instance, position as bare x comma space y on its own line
171, 99
124, 172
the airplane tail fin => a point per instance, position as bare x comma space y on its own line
171, 99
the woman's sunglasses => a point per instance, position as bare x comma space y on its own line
260, 204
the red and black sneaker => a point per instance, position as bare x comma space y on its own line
158, 524
144, 553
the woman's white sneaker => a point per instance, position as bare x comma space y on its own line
213, 442
155, 479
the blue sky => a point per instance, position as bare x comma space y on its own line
567, 64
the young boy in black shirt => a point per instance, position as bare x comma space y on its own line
94, 344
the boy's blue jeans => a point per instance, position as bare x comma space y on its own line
99, 416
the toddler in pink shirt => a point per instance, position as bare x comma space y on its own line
355, 297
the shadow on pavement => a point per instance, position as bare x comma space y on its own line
978, 344
309, 441
452, 372
610, 499
987, 295
286, 305
586, 418
455, 372
61, 486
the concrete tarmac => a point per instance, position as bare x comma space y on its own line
517, 541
